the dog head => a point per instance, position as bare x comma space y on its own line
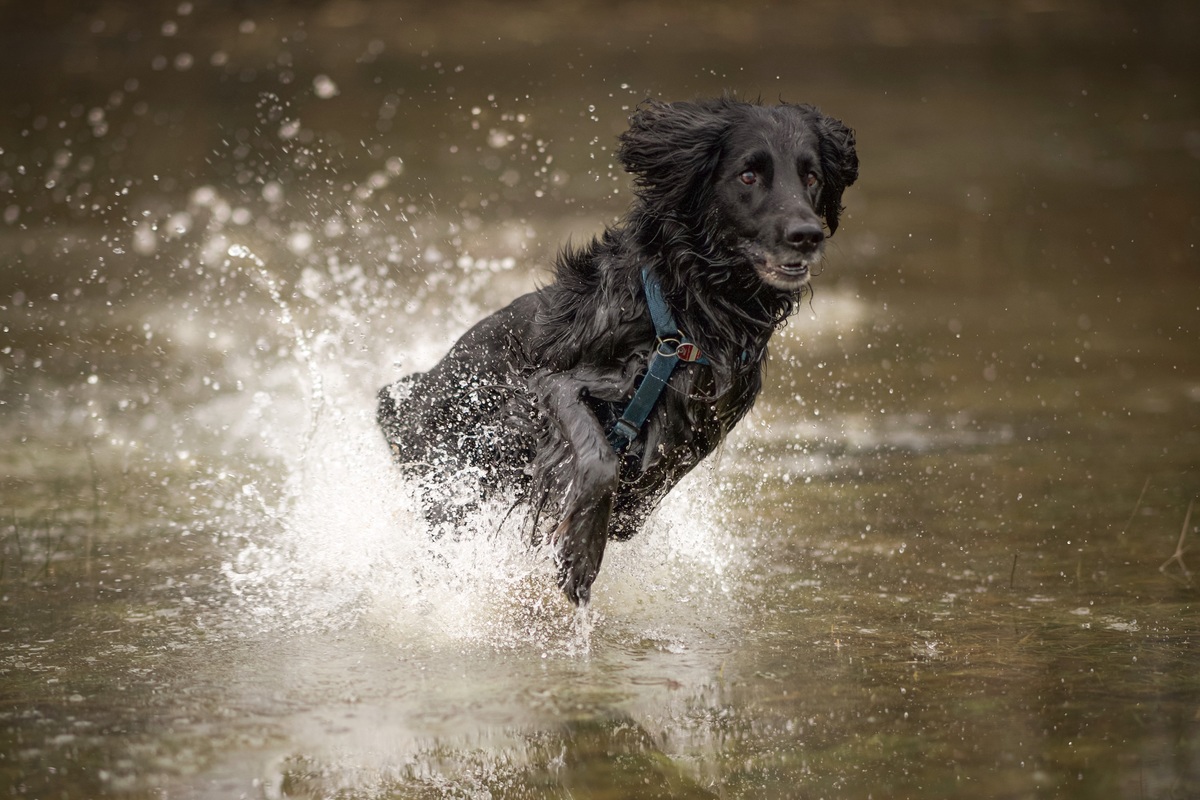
754, 180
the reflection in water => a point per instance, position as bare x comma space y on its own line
927, 565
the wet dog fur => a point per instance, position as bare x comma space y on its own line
733, 204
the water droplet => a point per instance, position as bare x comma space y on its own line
324, 87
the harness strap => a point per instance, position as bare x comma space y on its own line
671, 348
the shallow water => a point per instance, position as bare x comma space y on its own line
937, 560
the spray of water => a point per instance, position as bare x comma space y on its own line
332, 535
279, 305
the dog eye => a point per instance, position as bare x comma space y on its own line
749, 177
810, 179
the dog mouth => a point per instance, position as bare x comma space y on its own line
784, 268
786, 275
798, 269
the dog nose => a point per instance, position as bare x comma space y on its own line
804, 235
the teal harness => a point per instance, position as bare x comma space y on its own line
671, 348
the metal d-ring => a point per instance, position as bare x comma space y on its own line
671, 345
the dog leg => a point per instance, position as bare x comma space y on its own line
583, 482
579, 546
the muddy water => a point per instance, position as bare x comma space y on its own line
949, 553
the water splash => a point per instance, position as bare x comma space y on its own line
350, 547
332, 536
284, 306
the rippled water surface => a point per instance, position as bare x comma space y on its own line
952, 552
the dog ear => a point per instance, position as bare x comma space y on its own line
671, 149
839, 161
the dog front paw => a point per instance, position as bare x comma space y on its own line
578, 550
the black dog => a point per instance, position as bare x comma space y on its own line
542, 398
